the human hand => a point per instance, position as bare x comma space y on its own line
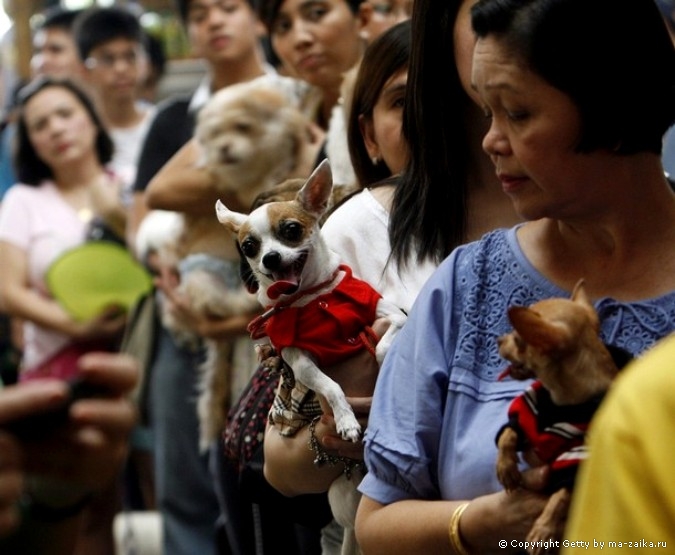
329, 438
209, 326
83, 455
505, 515
17, 402
107, 325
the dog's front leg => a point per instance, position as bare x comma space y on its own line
397, 318
308, 373
507, 459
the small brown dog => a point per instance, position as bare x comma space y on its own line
557, 342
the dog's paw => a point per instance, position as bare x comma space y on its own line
380, 354
508, 474
348, 428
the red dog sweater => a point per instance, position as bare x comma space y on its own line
330, 327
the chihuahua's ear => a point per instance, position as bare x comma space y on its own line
579, 293
231, 220
315, 193
546, 336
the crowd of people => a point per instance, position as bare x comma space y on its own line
492, 158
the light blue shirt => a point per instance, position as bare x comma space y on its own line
438, 404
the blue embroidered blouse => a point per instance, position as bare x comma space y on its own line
438, 403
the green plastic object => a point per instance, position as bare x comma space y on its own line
96, 276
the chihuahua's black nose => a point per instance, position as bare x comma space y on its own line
271, 260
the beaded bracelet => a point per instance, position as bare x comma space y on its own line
455, 538
321, 457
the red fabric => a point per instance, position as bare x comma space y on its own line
328, 327
63, 364
559, 443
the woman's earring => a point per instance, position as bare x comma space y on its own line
375, 160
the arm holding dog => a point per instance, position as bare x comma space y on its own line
220, 329
289, 463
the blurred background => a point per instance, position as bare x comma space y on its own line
158, 17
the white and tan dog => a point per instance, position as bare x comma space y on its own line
316, 310
251, 136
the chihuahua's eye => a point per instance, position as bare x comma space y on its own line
243, 127
250, 247
520, 342
291, 231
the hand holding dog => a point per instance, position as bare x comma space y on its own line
210, 327
329, 438
510, 515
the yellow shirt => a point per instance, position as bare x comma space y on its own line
625, 492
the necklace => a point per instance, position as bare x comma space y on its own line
85, 214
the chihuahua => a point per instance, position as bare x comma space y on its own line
317, 312
316, 309
556, 341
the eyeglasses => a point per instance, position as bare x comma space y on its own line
393, 9
109, 60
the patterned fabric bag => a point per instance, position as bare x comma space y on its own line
246, 421
243, 443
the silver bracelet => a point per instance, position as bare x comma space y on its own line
321, 457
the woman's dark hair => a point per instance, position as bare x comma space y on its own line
29, 168
268, 10
429, 209
385, 56
615, 60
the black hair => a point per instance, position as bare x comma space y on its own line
29, 167
96, 26
268, 10
429, 210
57, 18
156, 54
385, 56
615, 60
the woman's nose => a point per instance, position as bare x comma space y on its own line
495, 142
302, 33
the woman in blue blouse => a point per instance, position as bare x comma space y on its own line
577, 108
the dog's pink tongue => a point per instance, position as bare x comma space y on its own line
281, 287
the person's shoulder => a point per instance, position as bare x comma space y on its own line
29, 197
23, 191
172, 107
491, 244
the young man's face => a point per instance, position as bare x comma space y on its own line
55, 54
222, 31
116, 68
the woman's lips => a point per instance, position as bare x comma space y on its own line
310, 63
511, 182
